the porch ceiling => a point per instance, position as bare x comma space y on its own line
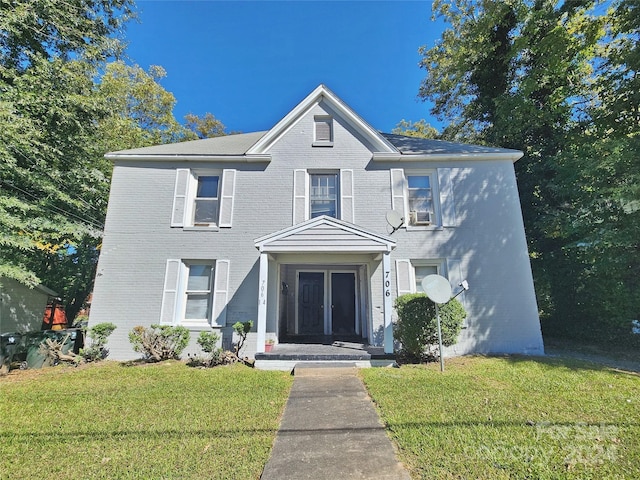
324, 234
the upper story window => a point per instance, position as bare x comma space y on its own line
323, 194
205, 208
323, 131
203, 198
424, 198
328, 193
420, 198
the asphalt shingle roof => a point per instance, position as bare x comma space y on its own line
239, 144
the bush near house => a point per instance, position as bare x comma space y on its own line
417, 328
98, 334
159, 342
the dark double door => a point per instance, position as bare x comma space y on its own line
316, 309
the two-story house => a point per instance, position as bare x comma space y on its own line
291, 228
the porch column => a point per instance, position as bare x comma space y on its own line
261, 327
386, 295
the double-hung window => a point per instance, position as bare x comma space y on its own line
205, 204
424, 198
422, 270
195, 293
323, 194
420, 198
203, 198
318, 193
198, 292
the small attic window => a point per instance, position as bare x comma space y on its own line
323, 131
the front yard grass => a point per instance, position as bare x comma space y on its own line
159, 421
511, 417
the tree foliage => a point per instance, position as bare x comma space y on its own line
419, 129
62, 107
559, 81
207, 126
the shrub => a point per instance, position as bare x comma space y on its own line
159, 342
98, 334
417, 327
208, 342
242, 329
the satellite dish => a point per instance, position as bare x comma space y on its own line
437, 288
394, 219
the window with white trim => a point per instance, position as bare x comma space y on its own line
323, 130
195, 293
205, 203
323, 194
420, 199
424, 198
198, 292
317, 193
420, 271
409, 274
203, 198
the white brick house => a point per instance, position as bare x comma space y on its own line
288, 228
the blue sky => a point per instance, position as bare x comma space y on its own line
250, 62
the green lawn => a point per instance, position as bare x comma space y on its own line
162, 421
512, 417
483, 418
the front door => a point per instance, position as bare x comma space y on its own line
343, 303
311, 303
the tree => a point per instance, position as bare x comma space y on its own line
419, 129
62, 107
60, 29
207, 126
547, 78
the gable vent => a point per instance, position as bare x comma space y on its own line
324, 129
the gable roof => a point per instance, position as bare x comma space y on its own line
254, 147
322, 94
324, 234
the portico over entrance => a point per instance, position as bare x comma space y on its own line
321, 278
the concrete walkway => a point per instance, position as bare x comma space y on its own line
331, 430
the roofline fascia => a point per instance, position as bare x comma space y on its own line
436, 157
192, 158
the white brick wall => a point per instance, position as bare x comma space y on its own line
489, 239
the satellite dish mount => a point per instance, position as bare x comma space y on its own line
395, 220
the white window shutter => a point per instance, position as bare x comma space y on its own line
300, 196
180, 197
447, 205
404, 277
397, 192
454, 274
220, 292
226, 197
170, 292
346, 195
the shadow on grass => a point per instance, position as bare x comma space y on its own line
577, 362
133, 434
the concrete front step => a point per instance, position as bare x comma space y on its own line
322, 369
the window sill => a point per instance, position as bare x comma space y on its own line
322, 144
198, 325
422, 228
211, 228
